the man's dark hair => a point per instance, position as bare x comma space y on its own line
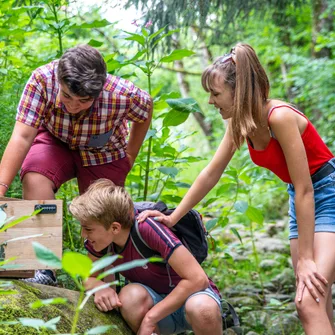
83, 70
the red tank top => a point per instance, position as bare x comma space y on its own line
272, 157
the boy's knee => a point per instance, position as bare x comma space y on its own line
203, 310
136, 299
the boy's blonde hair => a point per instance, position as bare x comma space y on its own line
249, 83
105, 203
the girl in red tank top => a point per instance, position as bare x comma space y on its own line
281, 139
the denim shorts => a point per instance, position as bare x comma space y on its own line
176, 323
324, 197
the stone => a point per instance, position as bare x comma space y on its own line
271, 244
267, 264
17, 306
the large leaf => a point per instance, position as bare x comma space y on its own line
185, 105
174, 118
177, 55
46, 302
170, 171
76, 264
210, 224
19, 220
95, 43
241, 206
46, 256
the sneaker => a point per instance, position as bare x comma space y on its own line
45, 277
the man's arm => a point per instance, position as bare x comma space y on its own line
193, 280
137, 135
16, 150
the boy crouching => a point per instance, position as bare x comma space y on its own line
162, 300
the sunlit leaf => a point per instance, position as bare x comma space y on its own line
174, 118
100, 330
76, 264
95, 43
94, 24
171, 171
255, 215
103, 262
185, 105
177, 55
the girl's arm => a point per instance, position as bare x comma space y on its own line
193, 280
205, 181
286, 128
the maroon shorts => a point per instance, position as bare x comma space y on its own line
53, 159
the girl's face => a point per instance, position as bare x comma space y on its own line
222, 97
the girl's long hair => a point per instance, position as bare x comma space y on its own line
249, 83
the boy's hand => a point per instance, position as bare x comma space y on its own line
106, 300
147, 328
157, 216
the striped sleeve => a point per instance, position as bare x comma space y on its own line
159, 238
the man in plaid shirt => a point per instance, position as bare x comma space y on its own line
72, 122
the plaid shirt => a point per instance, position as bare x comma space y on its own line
100, 135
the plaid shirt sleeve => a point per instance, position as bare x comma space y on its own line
140, 106
32, 104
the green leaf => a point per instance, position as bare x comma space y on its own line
99, 330
46, 256
255, 215
76, 264
152, 36
210, 224
241, 206
124, 267
7, 292
236, 233
223, 189
19, 220
95, 43
144, 32
185, 105
174, 118
177, 55
103, 262
163, 36
46, 302
171, 171
94, 24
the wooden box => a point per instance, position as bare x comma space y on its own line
48, 224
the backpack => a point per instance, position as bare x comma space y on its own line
190, 230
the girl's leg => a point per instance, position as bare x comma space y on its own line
315, 316
330, 311
204, 315
136, 301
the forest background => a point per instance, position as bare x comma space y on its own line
164, 51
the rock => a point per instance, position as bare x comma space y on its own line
270, 244
257, 320
267, 264
285, 281
17, 306
244, 301
284, 325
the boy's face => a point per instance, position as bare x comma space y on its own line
97, 234
74, 104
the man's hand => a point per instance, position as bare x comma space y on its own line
106, 300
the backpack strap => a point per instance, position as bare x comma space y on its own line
231, 311
140, 245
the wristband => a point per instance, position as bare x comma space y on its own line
5, 185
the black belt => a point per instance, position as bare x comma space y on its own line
324, 171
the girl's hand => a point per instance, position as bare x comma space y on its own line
157, 216
307, 276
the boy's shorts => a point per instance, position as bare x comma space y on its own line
176, 323
53, 159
